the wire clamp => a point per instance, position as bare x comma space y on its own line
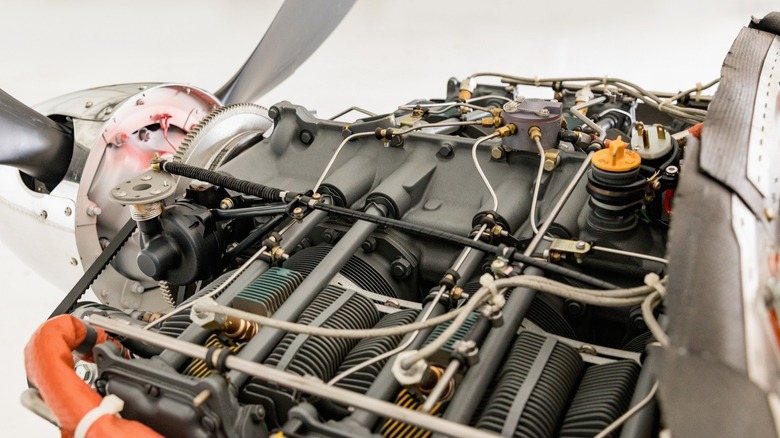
111, 405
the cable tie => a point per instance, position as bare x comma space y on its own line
110, 405
653, 280
604, 81
698, 91
537, 82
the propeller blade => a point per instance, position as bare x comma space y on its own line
297, 31
32, 142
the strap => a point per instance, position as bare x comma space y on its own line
111, 405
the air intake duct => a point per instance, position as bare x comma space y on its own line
33, 143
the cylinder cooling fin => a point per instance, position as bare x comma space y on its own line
533, 388
356, 270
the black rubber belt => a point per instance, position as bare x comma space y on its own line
292, 350
92, 273
521, 399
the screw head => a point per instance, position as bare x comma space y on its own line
88, 104
68, 211
44, 214
73, 262
580, 244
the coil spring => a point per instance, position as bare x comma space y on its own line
397, 429
366, 349
197, 367
334, 308
558, 371
165, 290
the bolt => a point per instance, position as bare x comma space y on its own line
445, 150
497, 153
297, 213
580, 244
330, 235
155, 191
104, 242
257, 414
120, 194
84, 371
109, 110
144, 134
68, 211
588, 349
369, 245
306, 137
401, 268
273, 112
146, 178
153, 390
44, 214
573, 308
119, 139
498, 265
73, 262
137, 287
139, 102
88, 104
226, 204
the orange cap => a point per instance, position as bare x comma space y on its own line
616, 157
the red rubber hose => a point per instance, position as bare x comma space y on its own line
48, 359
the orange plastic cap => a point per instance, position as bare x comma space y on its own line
616, 157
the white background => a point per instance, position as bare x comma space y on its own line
384, 54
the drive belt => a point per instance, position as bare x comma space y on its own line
94, 271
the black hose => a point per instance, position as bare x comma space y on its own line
249, 212
226, 181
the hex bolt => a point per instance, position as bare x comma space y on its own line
226, 204
446, 150
306, 137
369, 245
401, 268
330, 235
497, 153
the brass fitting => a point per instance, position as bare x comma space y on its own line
465, 89
491, 122
507, 130
496, 112
535, 133
156, 162
241, 329
551, 158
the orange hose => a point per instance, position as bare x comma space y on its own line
48, 359
695, 130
